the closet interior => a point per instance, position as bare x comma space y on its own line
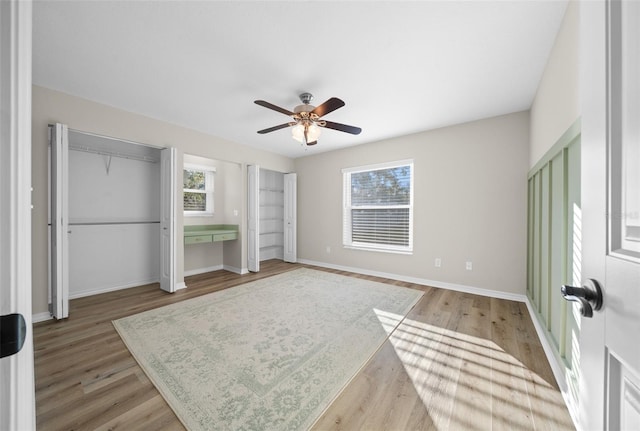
114, 214
271, 215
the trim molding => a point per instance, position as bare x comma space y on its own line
41, 317
567, 137
558, 369
229, 268
113, 288
241, 271
202, 270
423, 281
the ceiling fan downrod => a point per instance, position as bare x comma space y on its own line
306, 98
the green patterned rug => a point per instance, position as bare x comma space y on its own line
267, 355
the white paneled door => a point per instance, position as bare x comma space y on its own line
168, 219
59, 215
290, 221
609, 347
253, 228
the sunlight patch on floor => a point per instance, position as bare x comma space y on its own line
467, 382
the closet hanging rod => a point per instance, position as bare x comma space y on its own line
107, 223
114, 154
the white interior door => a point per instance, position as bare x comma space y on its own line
59, 253
167, 219
290, 221
17, 398
610, 351
253, 210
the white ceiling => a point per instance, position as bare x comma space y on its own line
401, 67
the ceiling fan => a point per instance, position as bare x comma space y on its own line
307, 119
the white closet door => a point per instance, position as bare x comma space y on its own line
253, 254
167, 219
290, 220
59, 137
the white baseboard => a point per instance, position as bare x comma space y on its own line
423, 281
41, 317
240, 271
111, 288
180, 286
203, 270
229, 268
556, 366
558, 369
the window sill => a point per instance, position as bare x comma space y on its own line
379, 250
192, 214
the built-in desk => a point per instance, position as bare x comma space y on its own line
210, 233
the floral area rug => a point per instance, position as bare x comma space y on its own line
267, 355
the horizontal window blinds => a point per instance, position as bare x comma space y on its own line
378, 207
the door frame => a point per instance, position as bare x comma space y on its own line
593, 75
17, 389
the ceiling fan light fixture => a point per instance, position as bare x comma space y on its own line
313, 132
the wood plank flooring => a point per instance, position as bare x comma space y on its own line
458, 361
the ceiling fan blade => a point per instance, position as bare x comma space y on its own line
311, 143
274, 107
274, 128
328, 106
342, 127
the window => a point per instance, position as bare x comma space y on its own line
198, 189
378, 207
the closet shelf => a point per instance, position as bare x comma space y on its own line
119, 154
110, 222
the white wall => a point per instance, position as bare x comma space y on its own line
557, 102
469, 204
51, 106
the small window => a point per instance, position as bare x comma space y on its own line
378, 207
198, 190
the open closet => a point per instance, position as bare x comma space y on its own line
108, 229
272, 216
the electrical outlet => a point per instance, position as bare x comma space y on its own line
469, 265
438, 262
235, 213
328, 249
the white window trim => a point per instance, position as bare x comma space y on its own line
346, 209
209, 172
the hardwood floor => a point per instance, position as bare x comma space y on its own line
458, 361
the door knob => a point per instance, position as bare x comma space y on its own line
589, 296
13, 331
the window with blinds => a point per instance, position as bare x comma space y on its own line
378, 207
198, 190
